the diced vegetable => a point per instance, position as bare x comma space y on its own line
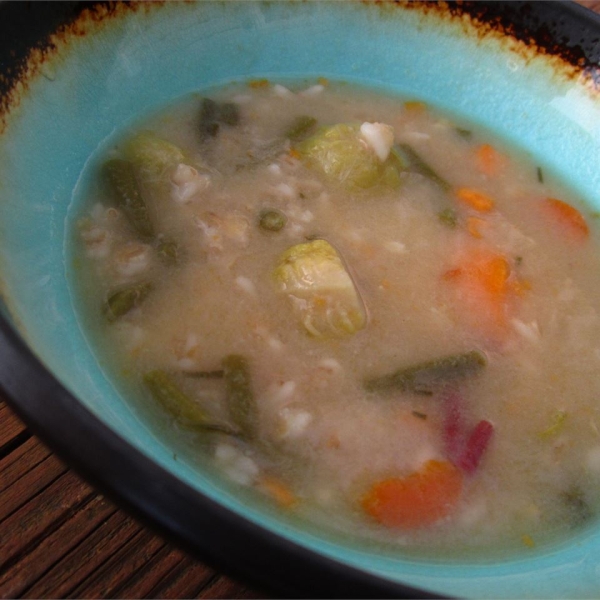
558, 422
540, 174
300, 127
568, 217
169, 252
428, 377
341, 154
474, 227
466, 134
320, 288
271, 220
213, 114
483, 287
278, 491
152, 156
418, 500
489, 160
578, 508
125, 187
121, 302
475, 199
412, 161
240, 398
173, 399
448, 217
475, 447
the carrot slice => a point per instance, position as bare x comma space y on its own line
475, 199
278, 491
489, 161
568, 216
418, 500
474, 227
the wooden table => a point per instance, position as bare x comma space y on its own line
61, 539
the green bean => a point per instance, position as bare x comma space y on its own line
185, 410
300, 127
271, 220
426, 378
125, 187
448, 217
412, 161
121, 302
240, 398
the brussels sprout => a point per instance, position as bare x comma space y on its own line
152, 155
341, 153
320, 288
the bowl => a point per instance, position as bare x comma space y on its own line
72, 74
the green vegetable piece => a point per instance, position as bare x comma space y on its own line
427, 377
218, 374
121, 177
271, 220
466, 134
229, 113
121, 302
300, 128
240, 398
185, 410
558, 422
540, 175
169, 252
208, 125
415, 163
152, 155
340, 153
448, 217
578, 509
320, 289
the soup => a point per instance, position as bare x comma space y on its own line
377, 318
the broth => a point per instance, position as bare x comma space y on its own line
376, 318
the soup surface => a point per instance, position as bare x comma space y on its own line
373, 317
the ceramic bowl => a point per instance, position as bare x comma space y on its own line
72, 74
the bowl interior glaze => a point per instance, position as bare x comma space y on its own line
138, 61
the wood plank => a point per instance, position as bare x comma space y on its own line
34, 564
21, 460
224, 587
73, 569
155, 572
186, 581
123, 564
10, 427
41, 515
30, 484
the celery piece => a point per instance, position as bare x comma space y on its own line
340, 153
152, 155
121, 302
425, 378
184, 409
413, 162
240, 398
300, 127
322, 292
125, 188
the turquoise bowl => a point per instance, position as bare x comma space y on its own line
524, 71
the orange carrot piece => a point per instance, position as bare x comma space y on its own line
569, 217
489, 161
475, 199
278, 491
415, 106
418, 500
474, 227
258, 83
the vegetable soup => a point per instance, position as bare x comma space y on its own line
375, 317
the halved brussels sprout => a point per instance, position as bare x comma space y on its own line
152, 155
342, 153
321, 290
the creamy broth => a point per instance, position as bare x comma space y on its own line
367, 314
